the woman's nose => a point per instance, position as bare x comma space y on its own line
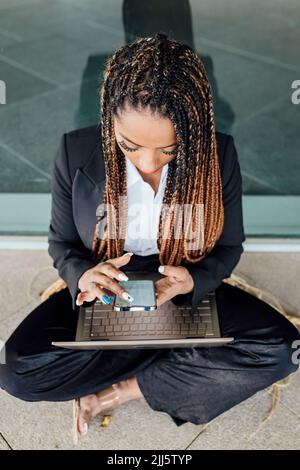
148, 163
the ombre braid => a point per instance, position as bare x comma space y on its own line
171, 79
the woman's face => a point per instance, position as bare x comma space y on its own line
149, 141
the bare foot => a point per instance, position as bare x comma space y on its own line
110, 397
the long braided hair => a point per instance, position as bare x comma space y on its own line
170, 78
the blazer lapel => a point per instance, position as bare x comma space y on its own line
87, 193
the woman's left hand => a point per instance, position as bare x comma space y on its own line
177, 281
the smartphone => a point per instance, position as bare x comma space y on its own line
143, 293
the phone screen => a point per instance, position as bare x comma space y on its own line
143, 292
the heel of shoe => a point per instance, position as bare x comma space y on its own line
105, 421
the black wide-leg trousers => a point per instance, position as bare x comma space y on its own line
190, 384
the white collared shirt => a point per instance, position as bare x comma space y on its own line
143, 212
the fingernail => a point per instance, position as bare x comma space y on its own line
127, 296
161, 269
122, 277
129, 253
106, 299
77, 302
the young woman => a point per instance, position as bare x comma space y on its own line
156, 145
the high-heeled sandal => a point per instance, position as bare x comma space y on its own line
76, 434
111, 397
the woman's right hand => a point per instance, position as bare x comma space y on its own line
93, 281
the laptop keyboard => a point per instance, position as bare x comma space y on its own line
167, 321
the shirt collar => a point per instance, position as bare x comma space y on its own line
133, 175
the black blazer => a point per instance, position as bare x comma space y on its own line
78, 182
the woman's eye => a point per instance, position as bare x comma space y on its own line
125, 147
170, 152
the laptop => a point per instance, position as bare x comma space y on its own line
99, 326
